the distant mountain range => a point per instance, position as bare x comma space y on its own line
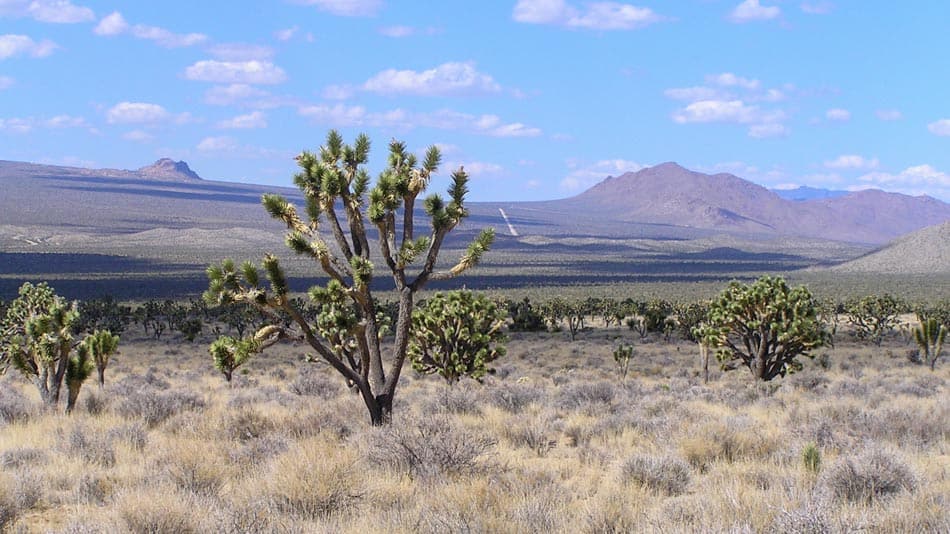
662, 202
924, 251
671, 194
808, 193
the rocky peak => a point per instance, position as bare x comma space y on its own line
168, 168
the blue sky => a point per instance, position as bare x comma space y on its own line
539, 99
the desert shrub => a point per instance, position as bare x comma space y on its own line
91, 489
153, 407
538, 432
665, 474
515, 397
727, 441
22, 457
13, 406
158, 511
135, 435
586, 394
312, 382
313, 480
428, 446
196, 468
96, 404
809, 519
90, 449
872, 474
246, 424
456, 400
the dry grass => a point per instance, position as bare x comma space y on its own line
554, 442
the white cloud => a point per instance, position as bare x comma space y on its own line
255, 119
694, 94
451, 78
751, 10
475, 168
595, 16
65, 121
226, 95
6, 82
338, 92
728, 79
115, 24
397, 31
347, 8
54, 11
817, 8
136, 113
941, 127
16, 45
764, 131
916, 180
240, 52
838, 115
139, 136
889, 114
16, 125
112, 24
235, 72
286, 34
852, 161
342, 115
735, 111
582, 178
218, 144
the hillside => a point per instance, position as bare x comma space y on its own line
925, 251
671, 194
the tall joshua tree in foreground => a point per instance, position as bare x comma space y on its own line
348, 330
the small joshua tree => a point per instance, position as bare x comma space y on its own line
100, 346
623, 354
930, 336
457, 334
347, 332
36, 337
764, 326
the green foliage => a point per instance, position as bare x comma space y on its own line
764, 326
457, 334
103, 314
688, 317
623, 354
229, 353
525, 317
930, 336
100, 346
811, 458
343, 324
36, 338
874, 316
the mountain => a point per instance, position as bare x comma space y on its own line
166, 168
925, 251
808, 193
671, 194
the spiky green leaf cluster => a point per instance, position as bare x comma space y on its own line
457, 334
229, 353
764, 325
930, 336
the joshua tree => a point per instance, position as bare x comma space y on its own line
930, 336
347, 333
623, 354
456, 334
100, 345
874, 316
36, 337
764, 326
